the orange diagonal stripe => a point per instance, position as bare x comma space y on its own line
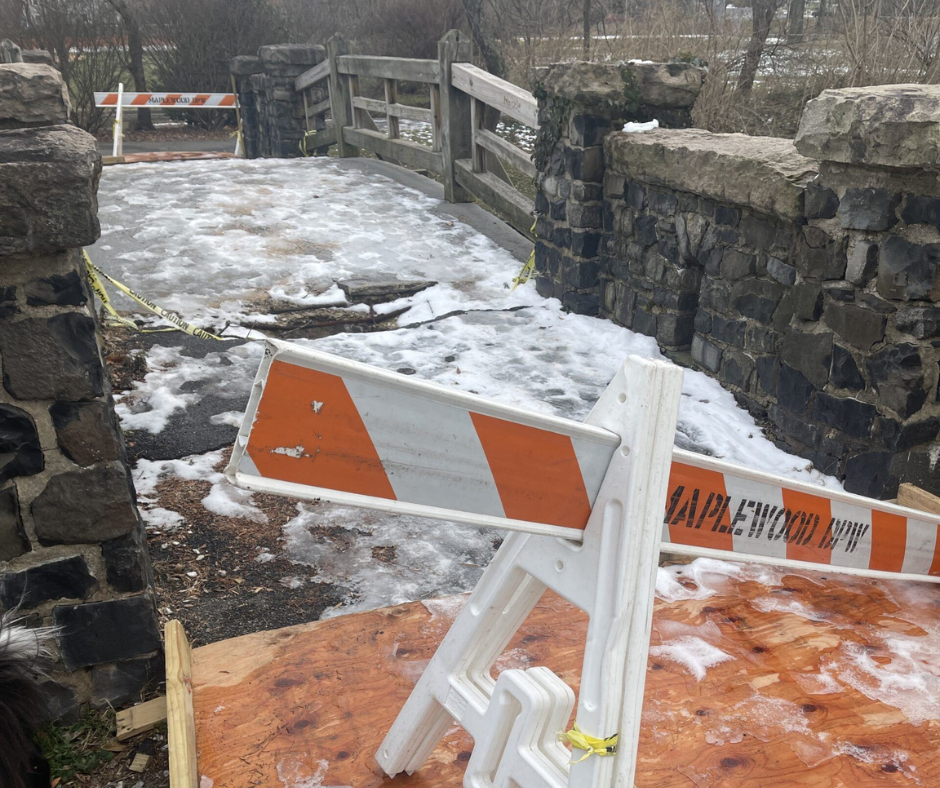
697, 508
935, 564
308, 431
818, 533
888, 541
536, 473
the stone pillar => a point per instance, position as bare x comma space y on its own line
272, 111
873, 225
579, 104
72, 546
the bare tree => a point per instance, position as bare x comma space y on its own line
795, 14
135, 51
82, 36
199, 38
486, 43
586, 29
762, 17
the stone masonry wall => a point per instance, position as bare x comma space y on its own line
809, 285
273, 116
582, 105
72, 547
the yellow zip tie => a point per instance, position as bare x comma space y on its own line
528, 268
176, 320
590, 744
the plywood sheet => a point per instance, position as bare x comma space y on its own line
764, 678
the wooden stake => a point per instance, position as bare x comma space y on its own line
911, 495
179, 699
140, 718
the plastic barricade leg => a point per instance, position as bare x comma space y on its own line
611, 575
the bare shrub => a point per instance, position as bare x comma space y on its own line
194, 40
84, 37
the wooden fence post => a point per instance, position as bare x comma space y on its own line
340, 104
456, 135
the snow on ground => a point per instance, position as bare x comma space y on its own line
209, 238
218, 240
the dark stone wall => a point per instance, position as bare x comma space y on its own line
72, 547
273, 113
811, 291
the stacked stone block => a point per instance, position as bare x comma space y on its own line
805, 277
273, 116
72, 547
570, 220
585, 102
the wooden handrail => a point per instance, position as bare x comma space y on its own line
311, 76
496, 145
403, 68
509, 99
468, 155
395, 110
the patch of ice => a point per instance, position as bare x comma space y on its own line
332, 296
514, 659
176, 381
233, 418
264, 556
777, 604
207, 238
704, 578
692, 653
637, 128
906, 675
161, 519
670, 630
766, 717
817, 683
429, 559
223, 499
447, 608
293, 773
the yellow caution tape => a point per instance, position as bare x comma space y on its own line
239, 140
526, 273
98, 286
590, 744
303, 141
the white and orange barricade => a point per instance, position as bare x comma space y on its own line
119, 99
171, 100
591, 505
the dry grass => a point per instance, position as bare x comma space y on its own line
860, 44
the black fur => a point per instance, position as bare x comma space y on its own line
21, 763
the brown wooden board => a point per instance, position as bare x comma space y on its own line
307, 706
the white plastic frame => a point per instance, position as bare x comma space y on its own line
611, 575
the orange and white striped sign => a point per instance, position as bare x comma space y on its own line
722, 507
177, 100
346, 432
322, 427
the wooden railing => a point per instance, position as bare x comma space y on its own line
465, 151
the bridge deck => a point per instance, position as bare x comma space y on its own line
825, 681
